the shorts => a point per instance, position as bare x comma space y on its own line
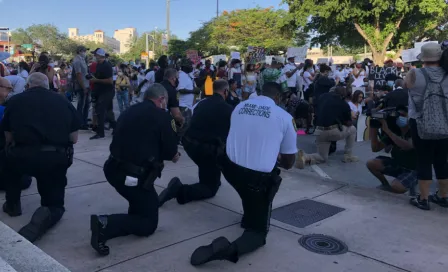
407, 178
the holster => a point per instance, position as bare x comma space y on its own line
154, 171
70, 152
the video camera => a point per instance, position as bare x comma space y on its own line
390, 115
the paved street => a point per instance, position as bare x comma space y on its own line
382, 232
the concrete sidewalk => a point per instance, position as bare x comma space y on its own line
382, 231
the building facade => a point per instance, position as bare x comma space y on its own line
98, 36
125, 36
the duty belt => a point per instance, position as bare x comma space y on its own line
133, 169
327, 128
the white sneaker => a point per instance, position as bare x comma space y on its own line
349, 158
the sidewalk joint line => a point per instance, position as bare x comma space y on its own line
329, 192
167, 246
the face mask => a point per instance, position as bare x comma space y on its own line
120, 73
83, 54
237, 66
51, 65
390, 83
94, 59
402, 121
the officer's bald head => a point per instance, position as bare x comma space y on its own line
38, 80
220, 86
272, 90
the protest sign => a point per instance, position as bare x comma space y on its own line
235, 55
255, 54
410, 55
193, 56
378, 74
418, 45
299, 53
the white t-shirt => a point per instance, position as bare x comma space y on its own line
23, 74
292, 81
150, 77
306, 80
185, 82
259, 131
253, 95
18, 84
340, 74
355, 108
359, 81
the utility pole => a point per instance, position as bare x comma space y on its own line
147, 52
168, 19
217, 8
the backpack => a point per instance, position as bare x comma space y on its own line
433, 122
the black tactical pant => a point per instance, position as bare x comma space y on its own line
257, 191
204, 156
50, 170
143, 213
103, 100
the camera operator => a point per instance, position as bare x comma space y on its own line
402, 163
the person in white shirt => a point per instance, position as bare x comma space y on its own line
291, 72
340, 73
187, 91
23, 69
308, 78
150, 79
18, 85
359, 74
356, 105
262, 136
235, 73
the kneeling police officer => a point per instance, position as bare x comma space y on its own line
204, 139
259, 131
144, 137
40, 128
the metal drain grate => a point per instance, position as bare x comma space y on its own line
304, 213
323, 244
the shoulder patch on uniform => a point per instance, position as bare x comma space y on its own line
294, 124
173, 125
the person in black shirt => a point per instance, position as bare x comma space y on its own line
103, 90
398, 97
144, 137
163, 65
232, 99
203, 140
170, 82
40, 128
323, 83
334, 123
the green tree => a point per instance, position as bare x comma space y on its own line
380, 24
178, 47
138, 45
251, 27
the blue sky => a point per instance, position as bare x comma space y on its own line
108, 15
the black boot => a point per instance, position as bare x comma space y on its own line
12, 210
171, 191
98, 239
39, 224
219, 249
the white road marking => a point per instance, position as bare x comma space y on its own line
320, 172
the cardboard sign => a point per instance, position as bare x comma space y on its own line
299, 53
255, 54
378, 74
193, 56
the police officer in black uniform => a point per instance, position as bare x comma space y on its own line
144, 137
203, 140
259, 131
40, 128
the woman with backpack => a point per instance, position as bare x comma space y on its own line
428, 113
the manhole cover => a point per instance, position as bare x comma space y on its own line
323, 244
304, 213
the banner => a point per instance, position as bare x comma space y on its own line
299, 53
418, 45
378, 74
410, 55
255, 54
193, 56
235, 55
217, 58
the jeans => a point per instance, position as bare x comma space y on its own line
83, 105
123, 100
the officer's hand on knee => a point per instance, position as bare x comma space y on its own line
176, 157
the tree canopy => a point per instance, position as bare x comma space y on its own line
382, 25
238, 29
138, 45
